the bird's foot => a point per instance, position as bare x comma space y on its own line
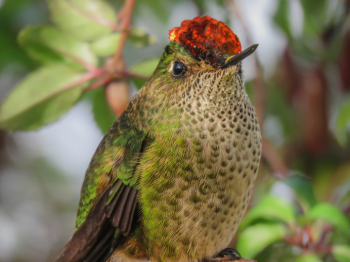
231, 252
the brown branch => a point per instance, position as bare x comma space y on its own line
126, 16
86, 77
298, 240
105, 79
101, 81
132, 75
121, 14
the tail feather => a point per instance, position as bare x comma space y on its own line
105, 227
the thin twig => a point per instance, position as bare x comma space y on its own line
105, 79
121, 14
101, 81
132, 75
320, 249
86, 77
127, 13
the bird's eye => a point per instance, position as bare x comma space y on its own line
178, 69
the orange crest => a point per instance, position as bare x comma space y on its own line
206, 38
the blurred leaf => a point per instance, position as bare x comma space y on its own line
303, 190
271, 208
255, 238
314, 20
330, 214
144, 68
309, 258
221, 3
201, 6
278, 106
140, 38
10, 51
281, 17
41, 98
341, 253
103, 114
160, 8
106, 45
84, 19
342, 122
50, 45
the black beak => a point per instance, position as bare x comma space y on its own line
235, 59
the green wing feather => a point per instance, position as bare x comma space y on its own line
115, 158
108, 195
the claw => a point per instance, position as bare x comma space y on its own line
233, 253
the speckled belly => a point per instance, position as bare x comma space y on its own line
196, 186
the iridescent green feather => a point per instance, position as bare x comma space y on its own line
115, 158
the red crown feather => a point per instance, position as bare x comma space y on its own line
206, 38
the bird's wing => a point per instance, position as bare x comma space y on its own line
108, 196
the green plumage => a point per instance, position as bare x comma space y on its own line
174, 174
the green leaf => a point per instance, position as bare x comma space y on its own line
50, 45
303, 190
140, 38
341, 253
10, 51
41, 98
160, 9
106, 45
271, 208
330, 214
309, 258
281, 17
342, 123
84, 19
144, 68
314, 21
103, 114
255, 238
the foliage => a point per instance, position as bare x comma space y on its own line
273, 221
300, 208
70, 54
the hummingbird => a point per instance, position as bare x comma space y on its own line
173, 176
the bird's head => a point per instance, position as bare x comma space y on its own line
202, 51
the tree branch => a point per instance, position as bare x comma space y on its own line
126, 18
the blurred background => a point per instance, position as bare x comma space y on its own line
298, 80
